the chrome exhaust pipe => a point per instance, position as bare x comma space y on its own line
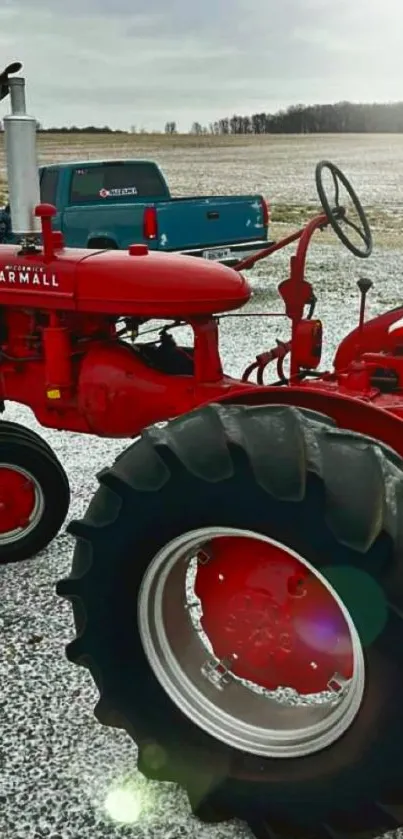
21, 156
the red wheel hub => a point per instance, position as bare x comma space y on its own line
17, 500
276, 622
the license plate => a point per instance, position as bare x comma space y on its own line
217, 254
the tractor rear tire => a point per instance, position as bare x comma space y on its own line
330, 495
29, 470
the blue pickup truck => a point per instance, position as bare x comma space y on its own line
116, 203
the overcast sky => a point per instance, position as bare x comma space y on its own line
143, 62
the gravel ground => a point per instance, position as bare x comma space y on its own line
62, 775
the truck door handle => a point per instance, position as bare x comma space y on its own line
212, 214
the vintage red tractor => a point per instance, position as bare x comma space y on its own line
237, 581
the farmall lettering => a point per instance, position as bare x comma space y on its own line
28, 276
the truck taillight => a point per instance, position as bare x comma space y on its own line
266, 212
150, 223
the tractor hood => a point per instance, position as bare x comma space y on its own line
149, 284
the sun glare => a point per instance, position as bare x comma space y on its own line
123, 805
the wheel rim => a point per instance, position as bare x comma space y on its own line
21, 503
220, 662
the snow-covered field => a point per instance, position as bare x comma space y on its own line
60, 770
279, 167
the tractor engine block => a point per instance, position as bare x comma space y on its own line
84, 373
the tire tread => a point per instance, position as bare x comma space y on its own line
283, 446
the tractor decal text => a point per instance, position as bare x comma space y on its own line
31, 276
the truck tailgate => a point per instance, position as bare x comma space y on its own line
185, 223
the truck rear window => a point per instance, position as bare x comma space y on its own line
116, 181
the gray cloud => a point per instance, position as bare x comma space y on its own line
133, 61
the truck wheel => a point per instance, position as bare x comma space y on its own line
237, 589
102, 244
34, 493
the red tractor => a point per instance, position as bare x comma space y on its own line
237, 581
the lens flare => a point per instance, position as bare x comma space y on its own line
123, 805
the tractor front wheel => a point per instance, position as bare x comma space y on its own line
34, 493
237, 590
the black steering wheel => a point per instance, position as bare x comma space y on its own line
337, 213
4, 80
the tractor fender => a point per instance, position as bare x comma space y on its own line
349, 412
376, 335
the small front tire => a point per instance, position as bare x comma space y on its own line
34, 493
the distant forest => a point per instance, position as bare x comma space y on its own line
342, 117
339, 118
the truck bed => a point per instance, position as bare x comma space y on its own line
215, 227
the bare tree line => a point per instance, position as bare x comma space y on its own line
341, 117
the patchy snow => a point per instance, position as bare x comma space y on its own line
62, 775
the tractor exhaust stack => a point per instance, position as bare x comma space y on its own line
22, 164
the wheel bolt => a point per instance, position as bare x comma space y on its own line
296, 587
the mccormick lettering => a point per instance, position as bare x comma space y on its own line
28, 275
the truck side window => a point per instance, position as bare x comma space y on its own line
48, 186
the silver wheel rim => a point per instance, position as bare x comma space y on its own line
252, 720
12, 536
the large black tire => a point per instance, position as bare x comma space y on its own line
22, 448
333, 496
